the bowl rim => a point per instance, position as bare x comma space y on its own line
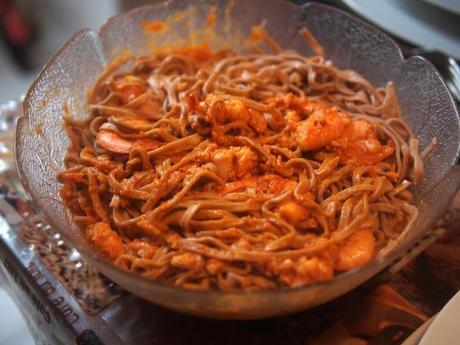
108, 265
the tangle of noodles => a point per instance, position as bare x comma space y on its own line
210, 169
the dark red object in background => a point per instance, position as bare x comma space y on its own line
17, 34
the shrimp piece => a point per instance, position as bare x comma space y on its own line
302, 271
150, 109
232, 109
246, 161
257, 121
324, 125
235, 110
356, 251
129, 87
188, 261
274, 184
223, 159
113, 142
240, 185
301, 106
360, 144
292, 118
293, 212
234, 162
131, 123
143, 249
319, 269
270, 184
106, 240
214, 265
359, 129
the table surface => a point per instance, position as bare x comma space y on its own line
390, 306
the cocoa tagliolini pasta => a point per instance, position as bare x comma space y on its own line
216, 170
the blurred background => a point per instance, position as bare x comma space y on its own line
32, 30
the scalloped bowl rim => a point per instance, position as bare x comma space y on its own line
22, 121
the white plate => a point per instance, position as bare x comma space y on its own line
415, 337
448, 5
13, 328
445, 328
415, 21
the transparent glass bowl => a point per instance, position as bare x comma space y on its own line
349, 43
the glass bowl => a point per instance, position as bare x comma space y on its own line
63, 84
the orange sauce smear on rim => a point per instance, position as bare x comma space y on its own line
211, 17
199, 53
156, 26
257, 35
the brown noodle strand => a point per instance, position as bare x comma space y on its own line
217, 170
